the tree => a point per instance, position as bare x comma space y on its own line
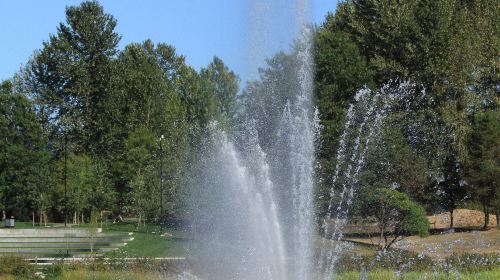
71, 76
145, 195
450, 186
418, 39
396, 214
340, 71
483, 166
449, 49
152, 104
265, 99
140, 148
24, 159
222, 83
81, 180
102, 193
391, 161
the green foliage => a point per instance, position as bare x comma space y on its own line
114, 105
80, 178
264, 100
222, 84
16, 266
70, 77
431, 275
483, 166
340, 71
88, 186
151, 105
450, 188
24, 160
448, 48
400, 260
102, 100
434, 42
473, 262
391, 161
395, 213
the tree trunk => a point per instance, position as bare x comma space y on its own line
486, 217
498, 219
33, 218
44, 219
101, 217
497, 213
381, 237
41, 219
82, 218
451, 218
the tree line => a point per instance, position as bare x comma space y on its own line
82, 105
441, 148
83, 108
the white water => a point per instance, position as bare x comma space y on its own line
253, 220
364, 120
252, 212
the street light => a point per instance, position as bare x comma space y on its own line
65, 180
161, 184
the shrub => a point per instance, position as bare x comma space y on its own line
54, 270
472, 262
16, 266
385, 260
396, 214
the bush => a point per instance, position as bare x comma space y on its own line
54, 270
144, 264
16, 266
385, 260
396, 214
472, 262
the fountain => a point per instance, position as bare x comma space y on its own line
252, 199
364, 120
252, 210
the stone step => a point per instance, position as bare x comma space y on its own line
63, 239
61, 251
67, 242
61, 245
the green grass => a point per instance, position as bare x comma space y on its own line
98, 275
378, 275
390, 275
107, 275
153, 245
22, 225
149, 243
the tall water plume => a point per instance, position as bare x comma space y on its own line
364, 121
252, 201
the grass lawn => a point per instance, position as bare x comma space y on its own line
28, 225
390, 275
378, 275
149, 243
99, 275
154, 245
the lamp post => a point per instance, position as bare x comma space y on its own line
161, 184
65, 181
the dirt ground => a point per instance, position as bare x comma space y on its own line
462, 218
442, 245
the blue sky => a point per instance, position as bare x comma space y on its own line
241, 32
